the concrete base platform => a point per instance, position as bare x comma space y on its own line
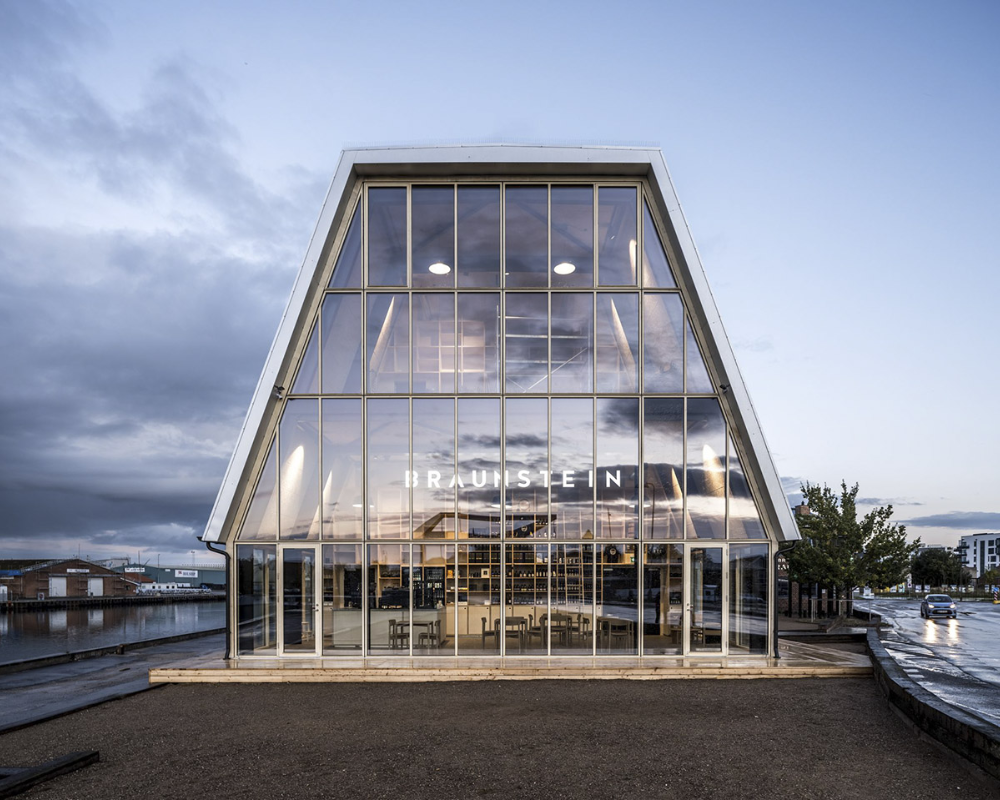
799, 660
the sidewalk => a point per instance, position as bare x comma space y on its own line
44, 692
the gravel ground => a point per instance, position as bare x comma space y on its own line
548, 739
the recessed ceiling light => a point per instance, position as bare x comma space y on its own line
565, 268
439, 268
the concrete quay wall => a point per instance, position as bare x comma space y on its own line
974, 739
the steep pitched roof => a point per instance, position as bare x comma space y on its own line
500, 161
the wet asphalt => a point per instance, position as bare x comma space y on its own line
43, 692
958, 660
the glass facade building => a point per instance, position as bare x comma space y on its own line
501, 419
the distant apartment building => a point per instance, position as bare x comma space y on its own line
980, 552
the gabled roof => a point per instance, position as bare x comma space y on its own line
504, 161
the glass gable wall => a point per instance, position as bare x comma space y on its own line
502, 439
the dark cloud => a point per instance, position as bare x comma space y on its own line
131, 353
959, 520
887, 501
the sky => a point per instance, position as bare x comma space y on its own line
162, 167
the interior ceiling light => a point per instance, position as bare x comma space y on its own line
439, 268
565, 268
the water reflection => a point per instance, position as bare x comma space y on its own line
35, 634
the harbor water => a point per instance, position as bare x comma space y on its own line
34, 634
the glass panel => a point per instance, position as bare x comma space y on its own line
526, 471
655, 268
572, 480
434, 343
572, 235
744, 519
663, 602
257, 615
527, 343
298, 449
706, 599
477, 584
261, 521
572, 342
663, 469
388, 468
433, 478
748, 598
389, 598
343, 501
527, 236
478, 368
433, 219
616, 235
347, 272
388, 331
298, 599
525, 625
663, 345
479, 468
479, 236
617, 342
706, 470
617, 599
387, 237
307, 380
342, 355
617, 467
698, 381
342, 599
433, 628
572, 618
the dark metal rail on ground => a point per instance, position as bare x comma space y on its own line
14, 781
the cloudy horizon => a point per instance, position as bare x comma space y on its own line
162, 171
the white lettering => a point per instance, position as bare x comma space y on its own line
522, 478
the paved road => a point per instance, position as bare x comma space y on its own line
956, 659
38, 694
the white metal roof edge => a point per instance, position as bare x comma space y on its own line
736, 397
359, 161
276, 354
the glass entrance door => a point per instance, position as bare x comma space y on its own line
299, 601
704, 606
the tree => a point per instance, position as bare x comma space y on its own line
841, 552
936, 567
990, 578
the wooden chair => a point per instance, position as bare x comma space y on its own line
430, 637
535, 630
399, 634
494, 632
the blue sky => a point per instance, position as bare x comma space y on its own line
162, 167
